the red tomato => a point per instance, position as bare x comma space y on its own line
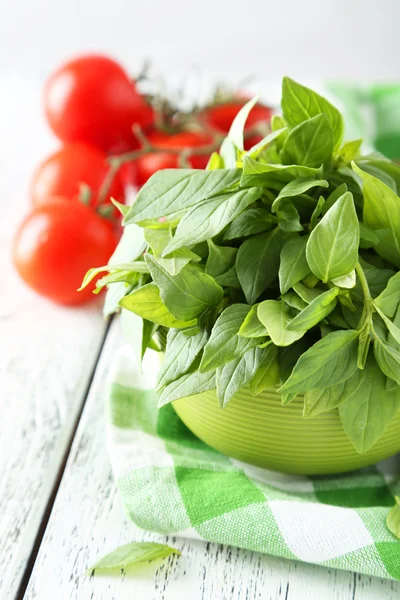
56, 244
92, 99
175, 143
220, 116
62, 173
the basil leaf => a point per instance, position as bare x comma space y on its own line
332, 248
257, 263
255, 150
174, 263
288, 357
333, 197
381, 163
228, 153
146, 302
299, 103
215, 162
294, 300
131, 554
321, 400
225, 344
388, 359
173, 190
189, 384
331, 360
288, 218
396, 321
229, 279
393, 519
250, 222
148, 330
346, 281
366, 414
257, 173
382, 214
187, 294
180, 353
368, 237
350, 150
381, 175
252, 326
297, 187
293, 265
220, 259
207, 219
388, 300
267, 374
234, 375
392, 327
273, 315
315, 312
310, 143
237, 128
317, 213
307, 294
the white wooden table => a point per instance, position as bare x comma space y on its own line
59, 508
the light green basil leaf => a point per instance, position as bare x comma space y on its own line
288, 218
331, 360
255, 150
307, 294
180, 354
207, 219
228, 153
237, 128
389, 299
187, 294
366, 414
257, 173
220, 259
229, 279
215, 162
315, 312
396, 321
382, 214
250, 222
333, 197
273, 315
332, 248
346, 281
252, 326
388, 359
267, 374
234, 375
383, 164
146, 302
297, 187
299, 103
321, 400
381, 175
350, 150
224, 343
171, 191
377, 279
190, 384
293, 264
364, 343
131, 554
158, 240
257, 263
310, 143
317, 213
392, 327
294, 300
393, 519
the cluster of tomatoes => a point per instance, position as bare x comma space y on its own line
97, 112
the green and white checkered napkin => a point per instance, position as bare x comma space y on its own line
173, 483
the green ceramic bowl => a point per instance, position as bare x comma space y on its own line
260, 431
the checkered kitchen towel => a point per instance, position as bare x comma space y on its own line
173, 483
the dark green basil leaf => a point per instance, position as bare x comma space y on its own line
388, 359
293, 265
257, 263
332, 248
180, 353
368, 239
315, 312
229, 279
310, 143
208, 218
225, 344
366, 414
392, 327
333, 197
250, 222
220, 259
131, 554
382, 214
273, 314
234, 375
190, 384
299, 103
187, 294
267, 374
389, 299
331, 360
297, 187
288, 218
171, 191
147, 303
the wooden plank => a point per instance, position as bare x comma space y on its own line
47, 353
88, 521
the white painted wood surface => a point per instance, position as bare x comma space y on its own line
47, 353
88, 521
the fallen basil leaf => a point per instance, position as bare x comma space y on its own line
131, 554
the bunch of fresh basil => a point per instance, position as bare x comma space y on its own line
274, 267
